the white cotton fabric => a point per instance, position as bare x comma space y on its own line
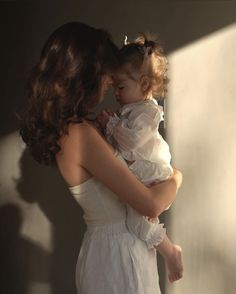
135, 134
150, 231
112, 260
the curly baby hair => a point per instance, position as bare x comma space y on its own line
64, 85
145, 56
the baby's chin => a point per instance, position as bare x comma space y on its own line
118, 101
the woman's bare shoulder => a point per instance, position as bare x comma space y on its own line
77, 133
83, 138
69, 157
77, 129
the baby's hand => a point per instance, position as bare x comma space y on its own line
104, 116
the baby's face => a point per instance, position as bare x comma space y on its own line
126, 89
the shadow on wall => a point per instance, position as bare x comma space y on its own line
44, 186
14, 249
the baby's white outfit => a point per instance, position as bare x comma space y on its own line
134, 133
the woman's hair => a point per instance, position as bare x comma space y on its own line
145, 56
64, 85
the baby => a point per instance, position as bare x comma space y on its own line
133, 131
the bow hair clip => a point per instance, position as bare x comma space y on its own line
148, 47
126, 40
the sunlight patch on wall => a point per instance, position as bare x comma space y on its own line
201, 128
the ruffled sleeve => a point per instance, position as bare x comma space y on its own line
151, 232
137, 128
111, 124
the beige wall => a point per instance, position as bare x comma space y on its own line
202, 134
41, 225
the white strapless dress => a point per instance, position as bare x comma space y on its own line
111, 260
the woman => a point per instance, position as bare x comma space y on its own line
72, 76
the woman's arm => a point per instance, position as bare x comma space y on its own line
98, 158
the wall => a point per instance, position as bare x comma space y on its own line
41, 225
201, 131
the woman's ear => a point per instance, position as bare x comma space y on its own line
145, 83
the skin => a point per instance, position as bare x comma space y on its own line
132, 87
78, 162
127, 90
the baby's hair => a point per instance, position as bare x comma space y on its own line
145, 56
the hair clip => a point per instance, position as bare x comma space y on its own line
148, 47
126, 40
148, 50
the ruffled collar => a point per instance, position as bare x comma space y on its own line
129, 107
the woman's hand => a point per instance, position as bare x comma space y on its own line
178, 177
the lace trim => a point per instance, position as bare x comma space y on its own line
155, 237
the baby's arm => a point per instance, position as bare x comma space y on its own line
104, 117
134, 132
107, 121
150, 231
136, 126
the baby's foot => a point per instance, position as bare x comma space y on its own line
174, 264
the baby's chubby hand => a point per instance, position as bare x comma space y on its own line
103, 117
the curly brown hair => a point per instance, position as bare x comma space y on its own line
146, 56
64, 85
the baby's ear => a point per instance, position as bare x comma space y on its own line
145, 83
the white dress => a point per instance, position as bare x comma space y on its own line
112, 260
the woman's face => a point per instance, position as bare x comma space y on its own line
106, 82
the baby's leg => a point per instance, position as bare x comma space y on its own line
172, 255
154, 235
